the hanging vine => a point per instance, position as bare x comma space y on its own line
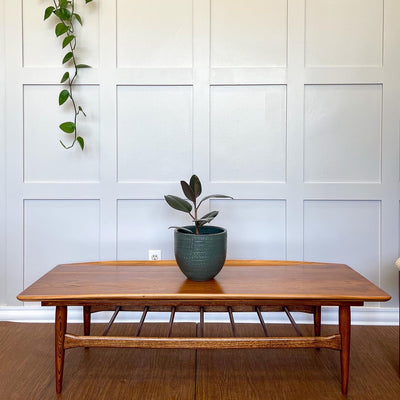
64, 10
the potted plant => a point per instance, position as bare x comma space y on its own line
200, 251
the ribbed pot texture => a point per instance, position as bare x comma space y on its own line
201, 257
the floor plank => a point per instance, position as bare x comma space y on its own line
27, 373
27, 357
301, 374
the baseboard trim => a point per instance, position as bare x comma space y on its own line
359, 316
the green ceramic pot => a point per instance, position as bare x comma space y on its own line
200, 257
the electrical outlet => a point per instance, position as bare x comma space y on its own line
154, 255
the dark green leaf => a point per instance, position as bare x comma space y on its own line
67, 40
68, 127
64, 77
88, 1
67, 57
63, 3
48, 12
80, 109
61, 29
195, 185
178, 203
81, 142
216, 196
78, 18
63, 13
181, 228
63, 97
187, 190
207, 218
83, 66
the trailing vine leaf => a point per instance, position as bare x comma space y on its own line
80, 110
68, 40
81, 142
78, 18
63, 97
68, 127
48, 12
64, 10
67, 57
63, 13
61, 29
64, 77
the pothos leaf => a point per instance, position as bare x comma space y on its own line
63, 97
48, 12
80, 109
64, 77
67, 127
78, 17
61, 29
67, 57
63, 13
67, 40
81, 142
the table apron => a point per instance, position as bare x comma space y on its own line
194, 305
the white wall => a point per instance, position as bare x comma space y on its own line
290, 106
2, 163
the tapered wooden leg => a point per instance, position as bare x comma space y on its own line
86, 320
317, 321
344, 329
60, 328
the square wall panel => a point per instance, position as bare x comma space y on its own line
59, 232
143, 226
154, 133
41, 47
346, 232
248, 33
342, 140
344, 32
248, 133
45, 160
154, 33
256, 228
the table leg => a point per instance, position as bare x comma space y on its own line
344, 329
60, 328
86, 320
317, 322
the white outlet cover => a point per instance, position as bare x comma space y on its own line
155, 255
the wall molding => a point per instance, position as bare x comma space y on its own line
360, 316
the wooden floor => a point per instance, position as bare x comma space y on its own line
26, 367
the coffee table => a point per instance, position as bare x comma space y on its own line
242, 286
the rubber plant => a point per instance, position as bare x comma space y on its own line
192, 191
64, 11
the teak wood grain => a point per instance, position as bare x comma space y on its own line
238, 280
242, 283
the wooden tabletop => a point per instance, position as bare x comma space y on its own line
267, 280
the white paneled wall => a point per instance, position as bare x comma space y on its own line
290, 106
2, 163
